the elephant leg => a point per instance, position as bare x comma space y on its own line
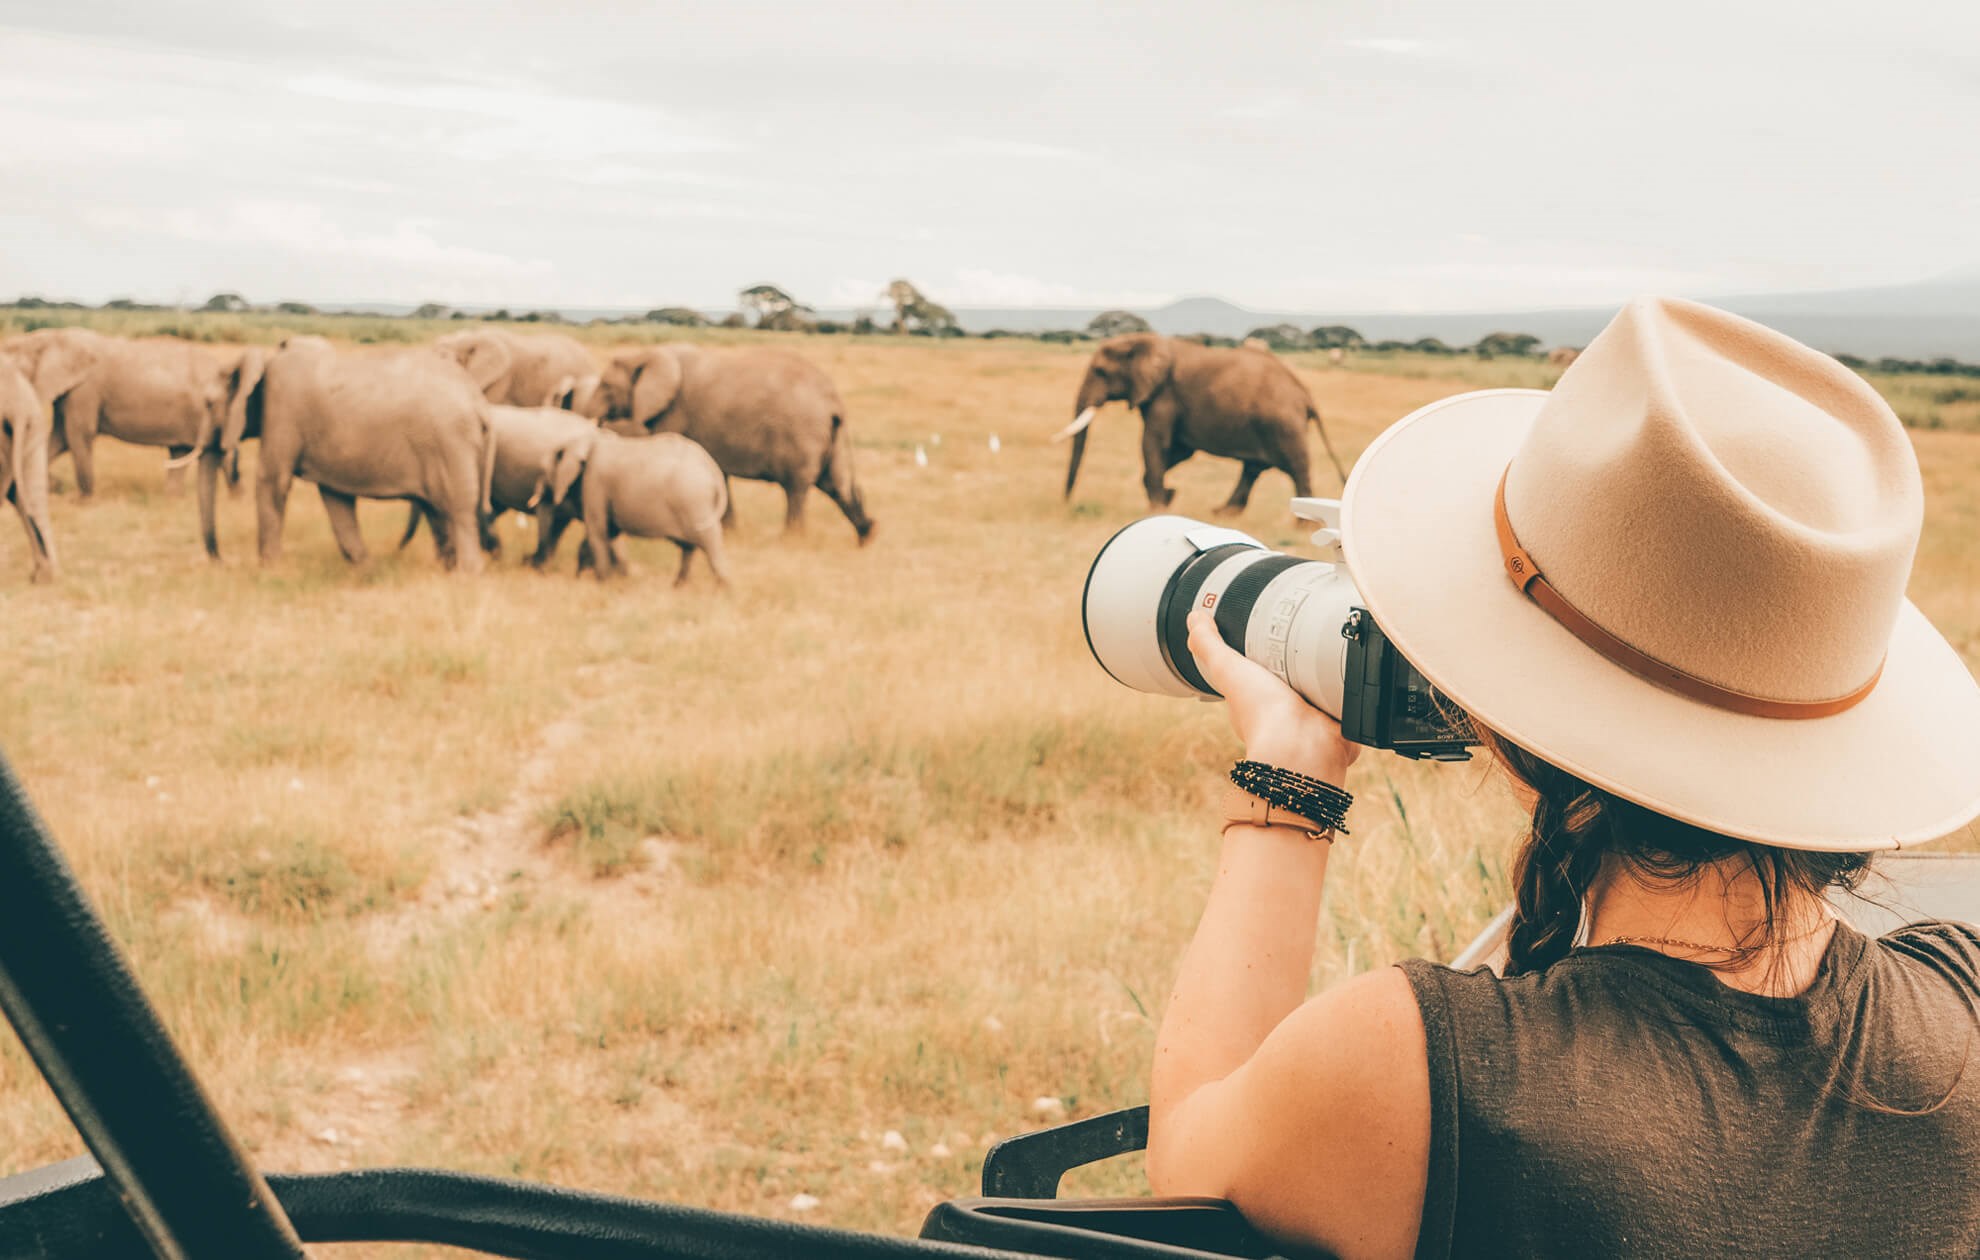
209, 478
79, 424
1295, 467
1154, 466
445, 544
615, 557
272, 480
341, 508
491, 537
175, 472
687, 558
795, 492
729, 512
1241, 494
550, 527
718, 561
31, 506
469, 557
587, 559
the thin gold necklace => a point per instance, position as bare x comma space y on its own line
1712, 949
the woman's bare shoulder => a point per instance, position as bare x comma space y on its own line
1324, 1134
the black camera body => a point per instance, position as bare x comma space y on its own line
1386, 703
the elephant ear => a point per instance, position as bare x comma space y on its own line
586, 398
1148, 370
487, 359
57, 362
566, 464
656, 382
561, 393
243, 397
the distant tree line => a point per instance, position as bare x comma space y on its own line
915, 314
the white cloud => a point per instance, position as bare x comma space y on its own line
1392, 47
519, 121
303, 227
1019, 149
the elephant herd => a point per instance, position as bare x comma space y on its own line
476, 423
487, 421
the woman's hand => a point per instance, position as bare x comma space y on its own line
1278, 727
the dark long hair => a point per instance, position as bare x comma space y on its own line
1576, 825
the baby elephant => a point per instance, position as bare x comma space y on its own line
661, 486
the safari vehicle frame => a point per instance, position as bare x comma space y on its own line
166, 1178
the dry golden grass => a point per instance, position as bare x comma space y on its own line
694, 896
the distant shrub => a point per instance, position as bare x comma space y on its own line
1509, 345
1061, 336
1335, 337
677, 317
1280, 337
1116, 323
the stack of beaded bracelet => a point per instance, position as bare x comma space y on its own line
1303, 794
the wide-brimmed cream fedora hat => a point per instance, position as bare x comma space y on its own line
1680, 575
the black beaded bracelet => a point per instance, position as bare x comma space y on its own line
1303, 794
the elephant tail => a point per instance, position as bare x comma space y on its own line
412, 525
1313, 414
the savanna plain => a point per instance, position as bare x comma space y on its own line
699, 895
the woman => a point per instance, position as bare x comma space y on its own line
1704, 678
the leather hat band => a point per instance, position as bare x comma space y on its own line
1526, 576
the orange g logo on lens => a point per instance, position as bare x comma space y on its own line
1210, 600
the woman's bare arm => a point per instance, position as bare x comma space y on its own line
1312, 1116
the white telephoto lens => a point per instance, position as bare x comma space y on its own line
1281, 611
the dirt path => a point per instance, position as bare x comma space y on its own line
479, 861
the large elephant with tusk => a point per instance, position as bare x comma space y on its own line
190, 399
520, 369
1240, 403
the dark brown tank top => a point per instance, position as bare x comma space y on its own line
1625, 1103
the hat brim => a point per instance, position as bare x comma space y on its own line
1900, 768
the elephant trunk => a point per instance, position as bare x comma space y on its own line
1092, 397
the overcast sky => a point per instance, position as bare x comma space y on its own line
1321, 156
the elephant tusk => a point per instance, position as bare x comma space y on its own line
1080, 422
182, 460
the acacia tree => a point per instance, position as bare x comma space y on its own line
771, 305
232, 302
1116, 323
1279, 337
1336, 337
1504, 343
916, 312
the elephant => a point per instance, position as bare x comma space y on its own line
518, 369
584, 395
1242, 403
402, 424
764, 414
526, 442
659, 485
190, 399
25, 426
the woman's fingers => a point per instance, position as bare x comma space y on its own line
1234, 675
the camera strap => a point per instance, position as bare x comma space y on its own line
1526, 576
